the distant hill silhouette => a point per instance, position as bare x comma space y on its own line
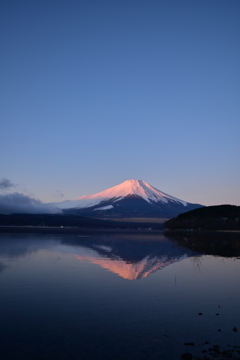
73, 221
219, 217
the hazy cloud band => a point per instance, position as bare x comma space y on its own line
19, 203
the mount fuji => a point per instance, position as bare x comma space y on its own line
132, 198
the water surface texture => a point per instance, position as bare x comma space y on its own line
114, 296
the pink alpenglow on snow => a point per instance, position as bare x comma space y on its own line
137, 188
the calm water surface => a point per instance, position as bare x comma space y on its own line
113, 297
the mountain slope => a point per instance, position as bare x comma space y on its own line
130, 198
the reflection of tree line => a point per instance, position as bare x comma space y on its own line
210, 243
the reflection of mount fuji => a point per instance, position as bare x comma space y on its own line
132, 271
132, 257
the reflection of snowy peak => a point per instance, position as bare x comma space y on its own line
132, 271
134, 257
135, 197
131, 256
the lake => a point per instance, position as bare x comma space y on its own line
116, 296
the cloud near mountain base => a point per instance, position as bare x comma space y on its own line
20, 203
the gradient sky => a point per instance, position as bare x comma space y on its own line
94, 93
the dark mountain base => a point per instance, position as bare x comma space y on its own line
133, 207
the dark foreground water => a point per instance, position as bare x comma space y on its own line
103, 296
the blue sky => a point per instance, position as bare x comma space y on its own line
97, 92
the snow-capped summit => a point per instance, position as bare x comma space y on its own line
136, 188
130, 198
